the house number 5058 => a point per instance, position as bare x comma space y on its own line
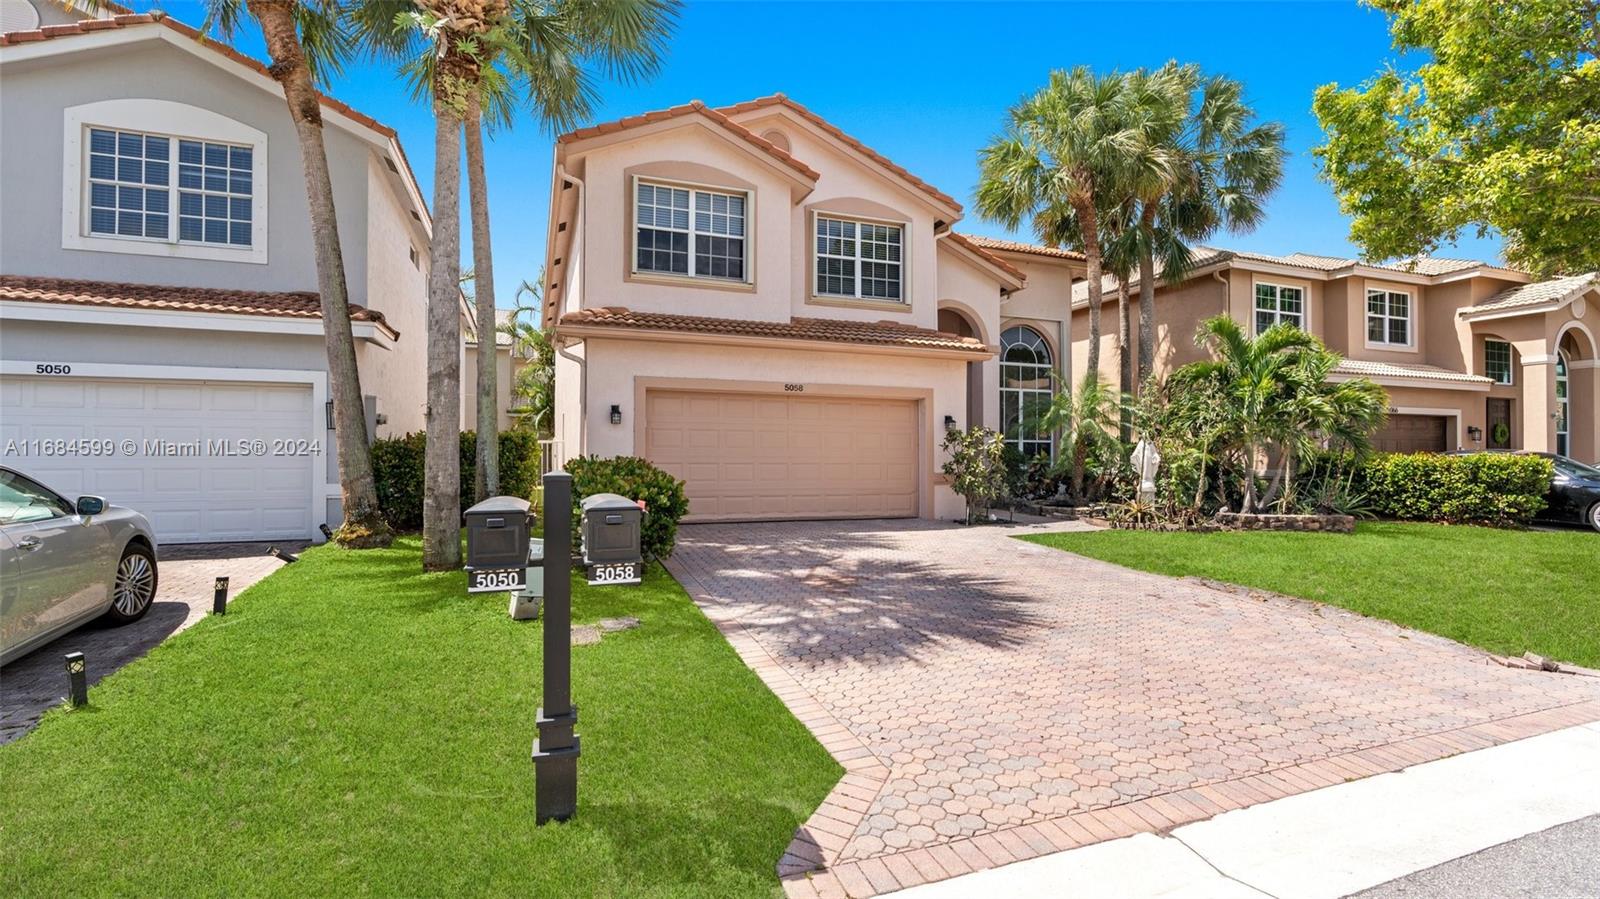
794, 388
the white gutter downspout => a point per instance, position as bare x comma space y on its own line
574, 256
1227, 291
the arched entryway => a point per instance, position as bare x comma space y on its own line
1026, 387
1577, 395
958, 320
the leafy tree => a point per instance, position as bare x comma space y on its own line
976, 467
1499, 130
308, 42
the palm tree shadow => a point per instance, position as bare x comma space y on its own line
848, 591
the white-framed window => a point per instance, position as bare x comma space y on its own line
1026, 388
154, 177
1563, 406
1279, 304
1388, 317
689, 231
859, 259
1497, 361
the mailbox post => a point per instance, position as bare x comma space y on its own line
555, 750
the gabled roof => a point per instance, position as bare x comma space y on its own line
1017, 246
693, 107
827, 330
125, 22
1553, 293
780, 100
1018, 278
303, 304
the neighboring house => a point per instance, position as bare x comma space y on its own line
774, 312
1474, 356
157, 279
506, 367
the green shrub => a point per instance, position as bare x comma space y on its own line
1496, 489
397, 465
976, 467
636, 479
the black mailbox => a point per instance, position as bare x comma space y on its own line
611, 541
497, 541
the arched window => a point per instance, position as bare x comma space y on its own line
1025, 390
1562, 406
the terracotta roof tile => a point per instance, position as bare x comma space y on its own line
692, 107
1368, 369
284, 304
1017, 246
985, 253
822, 329
1538, 293
858, 146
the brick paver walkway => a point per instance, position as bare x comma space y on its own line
38, 681
993, 700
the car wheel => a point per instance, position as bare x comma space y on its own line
135, 585
1594, 516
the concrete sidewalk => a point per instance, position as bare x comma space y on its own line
1330, 842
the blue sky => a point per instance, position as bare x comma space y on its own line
927, 84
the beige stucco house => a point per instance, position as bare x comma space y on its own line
1473, 355
778, 314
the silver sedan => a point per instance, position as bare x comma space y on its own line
64, 563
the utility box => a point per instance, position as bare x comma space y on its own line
612, 551
497, 544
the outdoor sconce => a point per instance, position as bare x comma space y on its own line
616, 414
328, 408
949, 422
1474, 433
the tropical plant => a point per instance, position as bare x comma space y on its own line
1087, 420
976, 467
308, 42
1322, 414
1497, 129
533, 386
665, 501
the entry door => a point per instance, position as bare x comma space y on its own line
1498, 414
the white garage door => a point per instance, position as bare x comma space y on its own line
755, 456
188, 490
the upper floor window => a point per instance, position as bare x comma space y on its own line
1497, 361
132, 191
1388, 317
689, 231
859, 260
1277, 304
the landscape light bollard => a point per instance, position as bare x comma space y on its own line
282, 555
327, 532
555, 750
78, 679
219, 596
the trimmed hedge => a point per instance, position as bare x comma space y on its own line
1498, 489
636, 479
397, 464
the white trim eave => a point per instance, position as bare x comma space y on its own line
584, 332
711, 126
1483, 315
1429, 383
179, 319
989, 268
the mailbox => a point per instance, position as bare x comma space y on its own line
611, 540
497, 544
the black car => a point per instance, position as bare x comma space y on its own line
1574, 496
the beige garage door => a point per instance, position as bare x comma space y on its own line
1411, 434
750, 456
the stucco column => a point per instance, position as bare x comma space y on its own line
989, 399
1538, 400
1583, 398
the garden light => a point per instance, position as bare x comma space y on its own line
77, 679
219, 596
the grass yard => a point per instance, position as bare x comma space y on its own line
354, 727
1506, 591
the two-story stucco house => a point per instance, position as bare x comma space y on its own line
157, 278
776, 313
1473, 355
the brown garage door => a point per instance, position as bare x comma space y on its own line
1411, 434
756, 456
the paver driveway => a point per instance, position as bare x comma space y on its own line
994, 700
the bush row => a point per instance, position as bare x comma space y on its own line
397, 465
1497, 489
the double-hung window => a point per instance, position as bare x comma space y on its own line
1277, 304
689, 231
138, 190
1388, 317
1497, 361
859, 260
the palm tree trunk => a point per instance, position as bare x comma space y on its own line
1147, 300
1089, 221
363, 525
1124, 359
1248, 504
487, 480
441, 496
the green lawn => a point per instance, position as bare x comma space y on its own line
1507, 591
354, 727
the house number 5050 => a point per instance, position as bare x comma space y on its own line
52, 368
794, 388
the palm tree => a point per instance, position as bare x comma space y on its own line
1086, 419
307, 42
1062, 162
1226, 167
535, 384
1318, 413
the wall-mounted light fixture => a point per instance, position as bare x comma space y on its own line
616, 414
1474, 433
328, 407
949, 422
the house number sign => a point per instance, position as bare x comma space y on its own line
794, 388
52, 368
